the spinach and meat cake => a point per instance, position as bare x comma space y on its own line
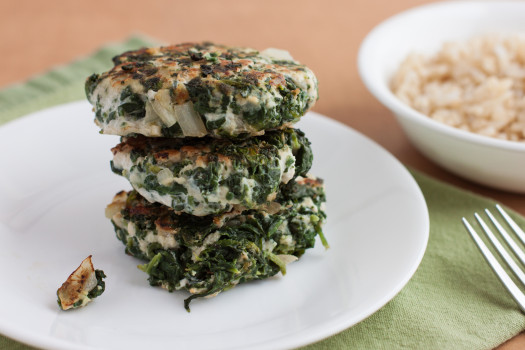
199, 89
210, 254
203, 176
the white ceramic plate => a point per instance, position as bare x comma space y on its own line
55, 183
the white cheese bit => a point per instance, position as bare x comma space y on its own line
232, 123
249, 102
166, 241
226, 169
122, 126
136, 177
131, 229
109, 96
211, 238
182, 283
286, 240
118, 219
122, 160
153, 196
248, 185
268, 100
114, 208
269, 245
284, 155
309, 203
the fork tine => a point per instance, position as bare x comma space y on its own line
519, 253
513, 289
519, 232
515, 268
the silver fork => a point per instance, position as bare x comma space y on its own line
513, 289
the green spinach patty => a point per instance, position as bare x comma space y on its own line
210, 254
200, 89
203, 176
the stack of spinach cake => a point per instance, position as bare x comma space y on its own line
221, 191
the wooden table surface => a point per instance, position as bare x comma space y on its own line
325, 35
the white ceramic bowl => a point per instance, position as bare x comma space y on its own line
492, 162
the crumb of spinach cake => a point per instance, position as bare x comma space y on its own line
81, 287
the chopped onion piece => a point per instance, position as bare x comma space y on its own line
151, 115
165, 177
282, 260
134, 177
161, 103
189, 120
286, 258
116, 206
277, 54
111, 210
273, 208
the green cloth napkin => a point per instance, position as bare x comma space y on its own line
454, 301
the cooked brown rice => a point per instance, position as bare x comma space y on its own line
478, 85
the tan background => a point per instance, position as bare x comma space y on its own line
325, 35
